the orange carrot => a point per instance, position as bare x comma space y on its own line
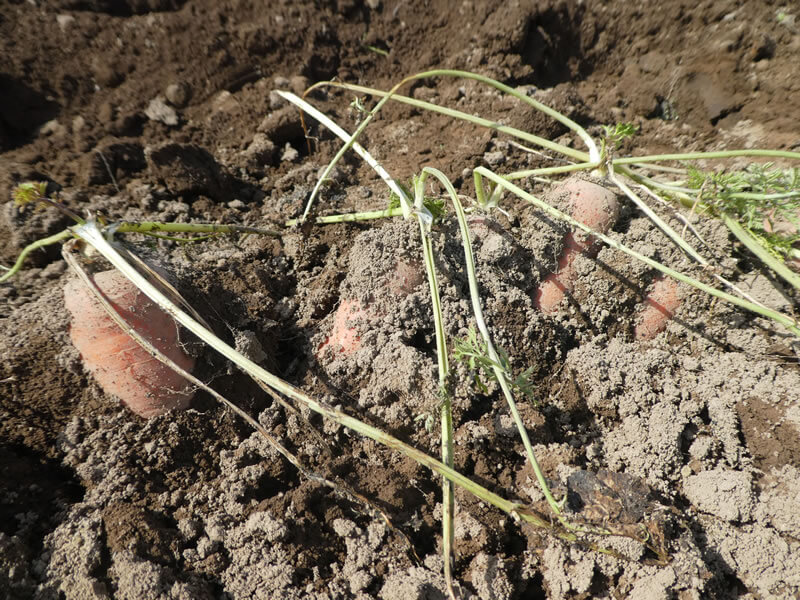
118, 363
660, 304
343, 337
594, 206
403, 279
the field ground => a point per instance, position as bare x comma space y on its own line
163, 110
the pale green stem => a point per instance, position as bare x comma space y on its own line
773, 263
662, 168
705, 155
787, 322
457, 114
757, 196
48, 241
445, 410
584, 166
146, 228
480, 193
634, 161
677, 188
594, 152
448, 493
659, 222
350, 142
376, 50
671, 188
500, 374
352, 217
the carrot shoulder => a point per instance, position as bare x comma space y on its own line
597, 208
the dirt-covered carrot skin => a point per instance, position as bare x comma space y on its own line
402, 280
344, 337
660, 305
594, 206
118, 363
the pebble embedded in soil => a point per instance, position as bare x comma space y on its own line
178, 94
158, 110
289, 154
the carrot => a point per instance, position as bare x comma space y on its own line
405, 277
660, 304
118, 363
344, 338
594, 206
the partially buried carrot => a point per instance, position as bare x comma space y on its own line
344, 338
119, 364
594, 206
660, 304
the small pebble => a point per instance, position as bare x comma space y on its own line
205, 547
691, 364
261, 148
53, 128
178, 94
65, 21
189, 528
216, 533
225, 102
298, 84
158, 110
275, 100
289, 154
494, 159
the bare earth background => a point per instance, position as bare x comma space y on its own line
161, 109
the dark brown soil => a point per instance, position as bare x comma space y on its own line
163, 110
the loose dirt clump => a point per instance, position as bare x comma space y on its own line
163, 110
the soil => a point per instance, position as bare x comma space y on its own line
164, 110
